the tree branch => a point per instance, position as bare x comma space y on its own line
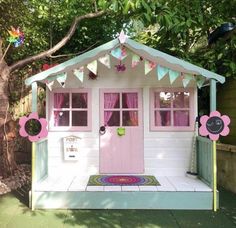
59, 45
72, 54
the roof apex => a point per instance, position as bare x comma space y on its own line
149, 53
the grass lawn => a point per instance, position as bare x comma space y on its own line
14, 213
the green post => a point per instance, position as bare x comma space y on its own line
214, 159
212, 95
33, 178
34, 97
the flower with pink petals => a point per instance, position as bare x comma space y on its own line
29, 124
214, 125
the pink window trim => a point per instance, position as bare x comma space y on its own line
172, 128
70, 128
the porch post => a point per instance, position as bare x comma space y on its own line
212, 95
214, 161
34, 109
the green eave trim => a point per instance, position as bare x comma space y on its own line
134, 46
96, 52
139, 48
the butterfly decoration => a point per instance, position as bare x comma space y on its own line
16, 37
120, 67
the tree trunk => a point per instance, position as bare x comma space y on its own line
7, 158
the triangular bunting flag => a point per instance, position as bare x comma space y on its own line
148, 66
135, 60
49, 84
200, 81
93, 66
186, 79
61, 78
119, 52
105, 60
173, 75
79, 73
161, 72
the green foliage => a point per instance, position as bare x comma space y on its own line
171, 26
33, 127
183, 31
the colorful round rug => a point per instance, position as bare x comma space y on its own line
106, 180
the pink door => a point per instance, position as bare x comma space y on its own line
121, 131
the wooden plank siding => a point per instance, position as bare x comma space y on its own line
41, 159
226, 98
124, 200
165, 153
204, 160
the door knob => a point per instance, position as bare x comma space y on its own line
102, 130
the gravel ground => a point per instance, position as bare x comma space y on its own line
21, 177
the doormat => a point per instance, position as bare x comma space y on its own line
131, 180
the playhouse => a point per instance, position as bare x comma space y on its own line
122, 109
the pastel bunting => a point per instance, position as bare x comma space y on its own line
148, 66
79, 73
161, 72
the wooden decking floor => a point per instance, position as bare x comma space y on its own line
79, 183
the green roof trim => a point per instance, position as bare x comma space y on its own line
96, 52
136, 47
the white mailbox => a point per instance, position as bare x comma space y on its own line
71, 147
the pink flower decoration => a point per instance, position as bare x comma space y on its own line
43, 131
120, 67
214, 125
152, 64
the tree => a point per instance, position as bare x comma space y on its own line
183, 31
8, 163
40, 19
170, 26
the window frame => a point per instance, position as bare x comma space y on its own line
121, 109
70, 109
172, 128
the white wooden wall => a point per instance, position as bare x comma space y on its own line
166, 153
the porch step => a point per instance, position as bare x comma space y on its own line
123, 200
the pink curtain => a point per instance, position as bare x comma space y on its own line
110, 100
157, 118
85, 98
157, 113
58, 101
84, 117
132, 102
181, 118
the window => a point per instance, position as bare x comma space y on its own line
70, 110
121, 109
171, 109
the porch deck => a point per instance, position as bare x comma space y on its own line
79, 183
173, 193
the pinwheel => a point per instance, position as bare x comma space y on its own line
16, 38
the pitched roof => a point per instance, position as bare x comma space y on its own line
138, 48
